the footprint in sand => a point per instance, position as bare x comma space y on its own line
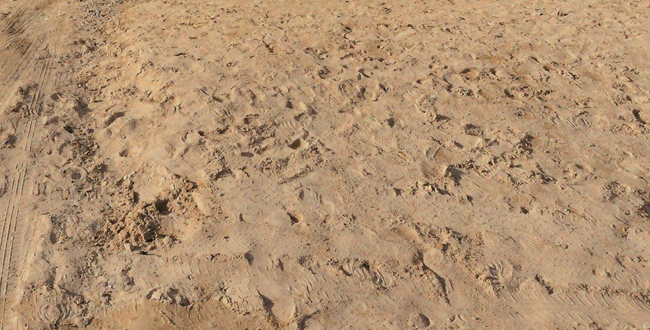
419, 321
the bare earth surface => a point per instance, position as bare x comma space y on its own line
324, 164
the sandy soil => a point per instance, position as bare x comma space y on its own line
324, 164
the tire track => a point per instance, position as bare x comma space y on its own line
26, 53
569, 306
17, 23
10, 247
580, 306
561, 306
17, 189
8, 239
26, 60
336, 296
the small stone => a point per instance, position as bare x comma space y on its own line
202, 203
432, 258
129, 247
470, 74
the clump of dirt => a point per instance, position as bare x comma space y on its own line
128, 220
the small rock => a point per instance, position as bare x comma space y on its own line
129, 247
637, 98
202, 203
470, 74
432, 258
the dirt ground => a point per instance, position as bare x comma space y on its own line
325, 164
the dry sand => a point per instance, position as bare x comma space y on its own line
324, 164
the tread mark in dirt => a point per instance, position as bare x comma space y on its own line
11, 226
8, 234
